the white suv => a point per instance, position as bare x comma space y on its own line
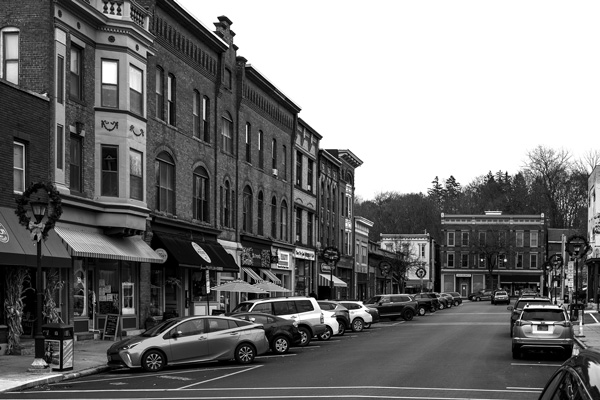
360, 317
304, 310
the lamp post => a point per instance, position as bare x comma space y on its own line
332, 256
38, 209
554, 263
577, 247
384, 267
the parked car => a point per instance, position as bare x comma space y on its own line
481, 295
457, 298
304, 310
444, 302
424, 304
542, 327
394, 306
448, 297
435, 303
332, 326
360, 316
374, 314
500, 296
281, 333
520, 303
192, 339
341, 313
577, 378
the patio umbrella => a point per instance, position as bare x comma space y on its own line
238, 286
271, 287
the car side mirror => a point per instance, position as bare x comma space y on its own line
510, 308
176, 334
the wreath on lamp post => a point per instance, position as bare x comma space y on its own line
54, 210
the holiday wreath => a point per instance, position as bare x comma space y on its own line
39, 231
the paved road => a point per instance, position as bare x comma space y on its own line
459, 353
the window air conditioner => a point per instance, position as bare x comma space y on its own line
275, 172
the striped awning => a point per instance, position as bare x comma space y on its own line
271, 276
324, 280
250, 272
97, 245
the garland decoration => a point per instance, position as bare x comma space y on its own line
40, 231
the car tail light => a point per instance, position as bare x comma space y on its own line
522, 323
322, 318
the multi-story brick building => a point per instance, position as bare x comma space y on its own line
492, 250
364, 274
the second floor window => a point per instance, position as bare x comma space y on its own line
18, 167
206, 118
261, 153
136, 175
309, 176
75, 163
136, 90
533, 239
227, 133
248, 142
171, 100
464, 260
274, 154
284, 222
464, 241
284, 162
164, 170
260, 213
75, 77
533, 264
110, 84
519, 237
274, 218
309, 229
298, 225
110, 171
451, 239
298, 169
247, 210
196, 114
160, 97
10, 55
201, 190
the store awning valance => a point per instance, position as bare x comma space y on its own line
271, 276
253, 275
324, 280
197, 254
17, 247
98, 245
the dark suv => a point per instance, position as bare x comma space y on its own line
428, 296
393, 306
341, 313
522, 302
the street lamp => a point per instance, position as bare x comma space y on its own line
384, 267
577, 247
332, 256
553, 264
38, 209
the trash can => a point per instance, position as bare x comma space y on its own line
58, 346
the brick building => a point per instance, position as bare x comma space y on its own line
511, 247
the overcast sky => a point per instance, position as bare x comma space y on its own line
419, 88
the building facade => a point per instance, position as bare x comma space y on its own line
492, 251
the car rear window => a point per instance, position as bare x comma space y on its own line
543, 315
523, 303
373, 300
304, 306
243, 307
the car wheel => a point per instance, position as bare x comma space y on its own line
477, 298
441, 306
516, 352
421, 310
245, 353
154, 361
367, 326
280, 345
342, 328
408, 314
305, 334
456, 303
326, 335
358, 325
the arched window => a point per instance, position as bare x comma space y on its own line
201, 197
283, 221
227, 133
247, 210
274, 217
260, 213
164, 170
226, 205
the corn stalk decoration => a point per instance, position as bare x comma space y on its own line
53, 285
16, 278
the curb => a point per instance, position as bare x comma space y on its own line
59, 378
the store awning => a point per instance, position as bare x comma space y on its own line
270, 275
324, 280
253, 275
197, 254
17, 247
97, 245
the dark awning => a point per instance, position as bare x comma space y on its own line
17, 247
197, 254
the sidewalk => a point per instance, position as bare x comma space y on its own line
89, 358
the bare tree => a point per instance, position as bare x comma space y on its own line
588, 161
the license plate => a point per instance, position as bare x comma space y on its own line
542, 328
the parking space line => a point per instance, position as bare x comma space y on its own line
535, 365
220, 377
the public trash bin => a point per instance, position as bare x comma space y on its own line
58, 346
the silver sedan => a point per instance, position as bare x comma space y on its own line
190, 340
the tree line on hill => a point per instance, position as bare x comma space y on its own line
550, 182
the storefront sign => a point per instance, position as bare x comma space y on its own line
326, 267
162, 254
304, 254
463, 275
283, 261
201, 252
3, 234
256, 257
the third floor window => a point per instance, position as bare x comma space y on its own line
110, 84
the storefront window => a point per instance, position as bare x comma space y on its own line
199, 279
80, 300
156, 291
108, 287
128, 286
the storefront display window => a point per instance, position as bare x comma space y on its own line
128, 286
157, 291
199, 285
80, 298
108, 287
